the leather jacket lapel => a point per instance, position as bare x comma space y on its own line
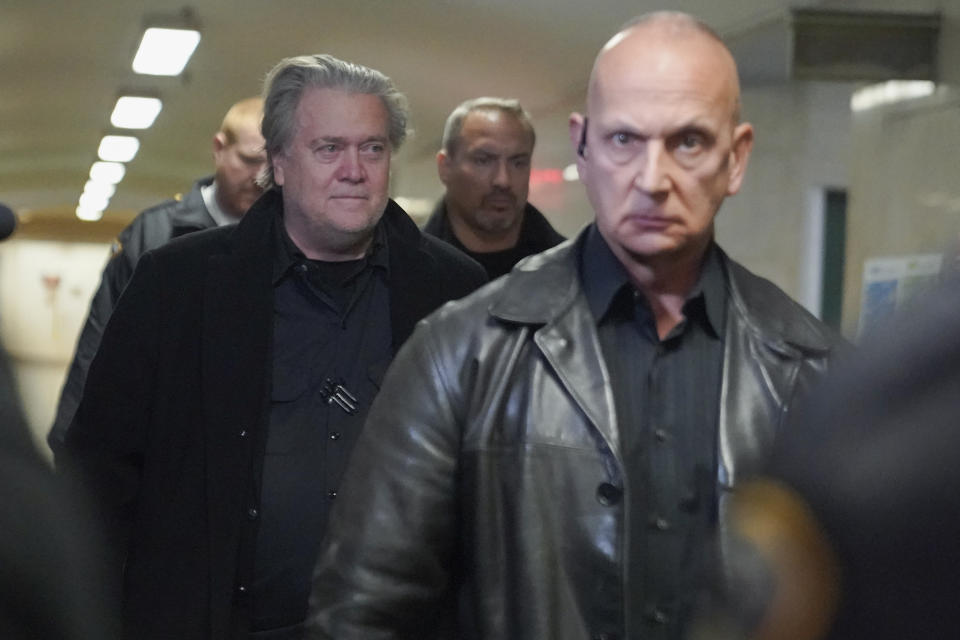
568, 337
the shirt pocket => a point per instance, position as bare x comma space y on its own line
291, 410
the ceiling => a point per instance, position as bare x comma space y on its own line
63, 64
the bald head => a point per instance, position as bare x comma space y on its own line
669, 44
661, 145
239, 157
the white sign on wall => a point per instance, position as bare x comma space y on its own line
45, 291
890, 282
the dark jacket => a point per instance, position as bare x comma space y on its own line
536, 233
171, 431
490, 468
152, 228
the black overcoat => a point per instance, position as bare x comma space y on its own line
170, 433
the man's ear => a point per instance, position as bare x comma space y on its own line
739, 155
278, 161
219, 145
577, 123
443, 166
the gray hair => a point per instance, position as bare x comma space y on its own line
454, 125
285, 84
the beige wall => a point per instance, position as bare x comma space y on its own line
45, 290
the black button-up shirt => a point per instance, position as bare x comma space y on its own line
666, 395
331, 336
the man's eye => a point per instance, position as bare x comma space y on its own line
327, 148
690, 141
622, 139
482, 161
375, 148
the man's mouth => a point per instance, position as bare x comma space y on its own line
500, 201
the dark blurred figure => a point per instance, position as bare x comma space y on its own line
485, 166
864, 533
49, 585
220, 199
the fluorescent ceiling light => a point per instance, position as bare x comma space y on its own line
101, 189
93, 201
88, 214
165, 52
890, 92
118, 148
111, 172
134, 112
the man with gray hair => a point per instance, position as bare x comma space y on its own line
240, 363
485, 164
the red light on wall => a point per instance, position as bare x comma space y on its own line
546, 176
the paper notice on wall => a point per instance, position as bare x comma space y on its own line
888, 283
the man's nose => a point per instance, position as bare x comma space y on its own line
501, 175
654, 172
350, 168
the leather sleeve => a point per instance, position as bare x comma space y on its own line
114, 279
384, 568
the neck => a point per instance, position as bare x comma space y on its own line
666, 281
481, 240
320, 243
225, 210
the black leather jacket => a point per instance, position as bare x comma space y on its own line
152, 228
483, 472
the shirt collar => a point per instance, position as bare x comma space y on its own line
209, 194
287, 255
604, 277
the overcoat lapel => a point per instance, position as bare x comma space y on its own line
412, 294
237, 331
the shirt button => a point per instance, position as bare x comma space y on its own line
242, 589
335, 435
657, 615
243, 433
331, 494
608, 495
660, 435
252, 513
302, 268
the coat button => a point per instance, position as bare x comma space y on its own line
660, 523
243, 433
331, 494
608, 494
604, 636
335, 435
252, 513
660, 435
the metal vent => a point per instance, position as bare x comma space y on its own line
864, 46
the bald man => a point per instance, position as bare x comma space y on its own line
238, 157
552, 456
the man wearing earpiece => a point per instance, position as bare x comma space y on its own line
551, 456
